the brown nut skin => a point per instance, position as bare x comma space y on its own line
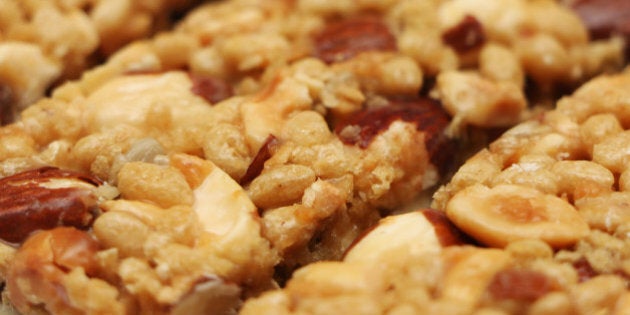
446, 233
7, 106
36, 273
520, 284
211, 89
347, 38
426, 113
256, 166
32, 201
466, 36
584, 269
604, 18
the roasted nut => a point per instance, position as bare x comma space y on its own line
499, 215
211, 295
7, 108
45, 198
362, 127
25, 74
268, 110
343, 40
423, 230
228, 218
49, 273
604, 18
211, 89
467, 35
161, 102
520, 284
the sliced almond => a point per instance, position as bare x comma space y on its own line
502, 214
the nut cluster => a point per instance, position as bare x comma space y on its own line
213, 161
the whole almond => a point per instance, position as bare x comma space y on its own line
344, 39
43, 199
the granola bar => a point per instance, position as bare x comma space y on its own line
43, 43
537, 223
203, 166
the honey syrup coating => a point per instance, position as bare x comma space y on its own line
153, 130
188, 216
545, 206
44, 43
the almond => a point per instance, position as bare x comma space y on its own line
605, 18
211, 89
344, 39
7, 108
43, 199
505, 213
428, 115
520, 284
37, 273
424, 230
466, 36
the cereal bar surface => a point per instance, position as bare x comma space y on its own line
271, 156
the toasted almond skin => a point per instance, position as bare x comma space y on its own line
45, 198
505, 213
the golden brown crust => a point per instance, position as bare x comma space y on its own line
255, 138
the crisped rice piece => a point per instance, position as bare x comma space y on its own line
470, 49
546, 210
403, 266
43, 43
197, 228
582, 144
258, 137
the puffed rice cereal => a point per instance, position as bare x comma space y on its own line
43, 43
546, 210
262, 156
